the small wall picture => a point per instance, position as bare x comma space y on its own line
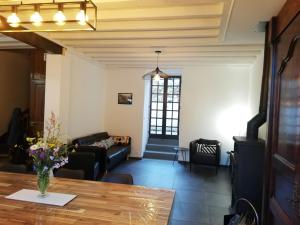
125, 98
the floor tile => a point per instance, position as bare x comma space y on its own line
202, 196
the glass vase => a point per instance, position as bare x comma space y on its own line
43, 183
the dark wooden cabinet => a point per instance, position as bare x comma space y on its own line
37, 92
247, 169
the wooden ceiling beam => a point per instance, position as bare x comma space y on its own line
134, 35
178, 49
31, 39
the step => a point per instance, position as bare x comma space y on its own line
159, 141
163, 148
160, 155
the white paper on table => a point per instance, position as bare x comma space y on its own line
56, 199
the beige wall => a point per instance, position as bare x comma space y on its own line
14, 85
126, 119
75, 91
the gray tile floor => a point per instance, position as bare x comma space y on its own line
202, 197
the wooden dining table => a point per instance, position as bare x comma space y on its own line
97, 203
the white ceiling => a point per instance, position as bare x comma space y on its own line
187, 31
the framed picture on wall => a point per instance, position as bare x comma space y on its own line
125, 98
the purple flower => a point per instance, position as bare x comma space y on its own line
42, 155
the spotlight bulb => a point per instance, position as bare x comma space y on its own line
13, 20
81, 17
60, 18
36, 19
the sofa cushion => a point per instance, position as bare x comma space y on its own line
121, 140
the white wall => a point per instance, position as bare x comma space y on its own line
75, 91
126, 119
255, 90
214, 104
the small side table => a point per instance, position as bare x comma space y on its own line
183, 154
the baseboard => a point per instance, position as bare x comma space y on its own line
136, 158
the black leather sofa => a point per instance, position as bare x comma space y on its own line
107, 158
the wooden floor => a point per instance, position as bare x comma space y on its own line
97, 203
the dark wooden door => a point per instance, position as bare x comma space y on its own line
37, 92
283, 172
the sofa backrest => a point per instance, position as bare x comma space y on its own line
90, 139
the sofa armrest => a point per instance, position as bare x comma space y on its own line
193, 148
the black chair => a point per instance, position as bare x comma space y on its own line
16, 131
118, 178
14, 168
205, 152
71, 174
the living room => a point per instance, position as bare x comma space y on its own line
220, 52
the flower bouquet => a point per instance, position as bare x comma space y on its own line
47, 153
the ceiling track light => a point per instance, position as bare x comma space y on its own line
37, 16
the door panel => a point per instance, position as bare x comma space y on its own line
37, 92
285, 137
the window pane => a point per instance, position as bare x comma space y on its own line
174, 131
176, 90
175, 106
159, 122
176, 81
159, 130
170, 98
159, 114
169, 106
154, 82
161, 90
169, 122
170, 90
154, 89
169, 114
154, 105
176, 98
153, 122
154, 97
160, 98
153, 113
153, 130
168, 131
160, 106
175, 123
161, 81
175, 114
170, 82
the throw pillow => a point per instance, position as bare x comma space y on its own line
100, 144
121, 140
109, 142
